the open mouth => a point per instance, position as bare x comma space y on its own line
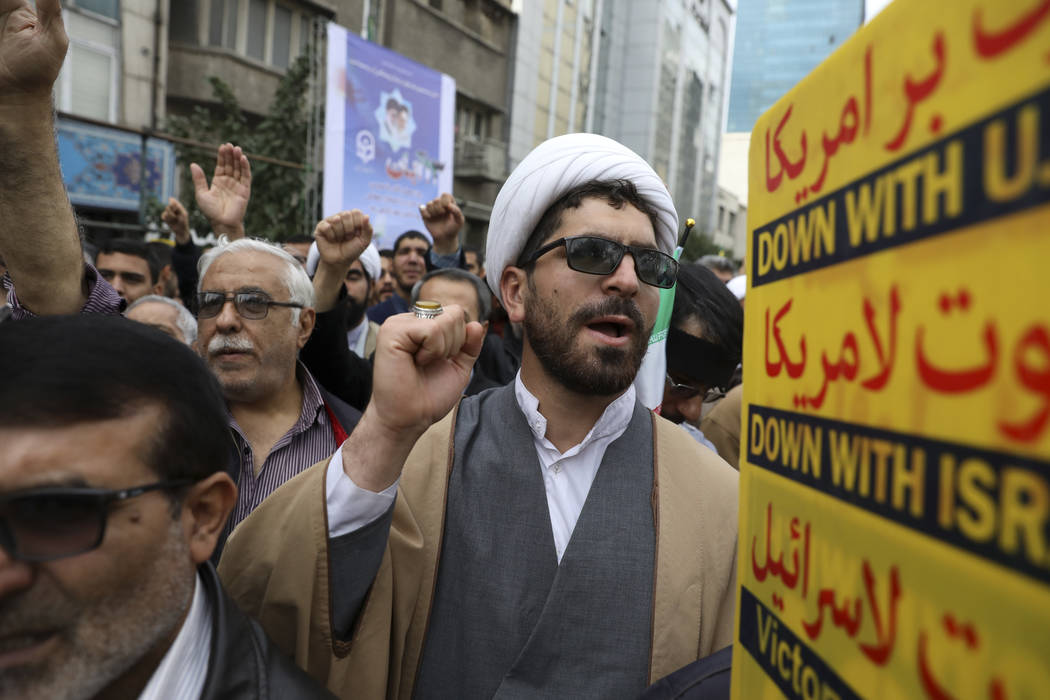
25, 647
614, 330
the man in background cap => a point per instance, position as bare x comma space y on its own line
548, 538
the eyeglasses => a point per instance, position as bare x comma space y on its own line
600, 256
50, 523
250, 305
688, 391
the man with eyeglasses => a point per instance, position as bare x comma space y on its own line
113, 495
254, 313
547, 538
704, 346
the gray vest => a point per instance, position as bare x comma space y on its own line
507, 620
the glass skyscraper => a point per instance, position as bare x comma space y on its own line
778, 42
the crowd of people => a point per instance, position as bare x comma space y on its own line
254, 470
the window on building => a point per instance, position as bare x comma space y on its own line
87, 83
282, 36
473, 123
257, 16
268, 34
106, 8
222, 23
183, 22
93, 73
686, 184
305, 33
229, 24
215, 20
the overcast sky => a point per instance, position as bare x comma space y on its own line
873, 7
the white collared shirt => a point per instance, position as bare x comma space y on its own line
181, 673
567, 477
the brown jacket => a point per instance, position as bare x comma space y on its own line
722, 426
276, 567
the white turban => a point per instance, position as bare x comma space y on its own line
369, 261
552, 169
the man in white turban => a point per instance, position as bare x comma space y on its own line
548, 538
361, 275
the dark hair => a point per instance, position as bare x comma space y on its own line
162, 252
386, 253
300, 238
130, 246
65, 370
454, 273
719, 263
615, 192
410, 234
700, 295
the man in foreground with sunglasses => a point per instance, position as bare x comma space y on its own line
548, 538
112, 497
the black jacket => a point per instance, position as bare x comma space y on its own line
244, 663
184, 259
706, 679
334, 365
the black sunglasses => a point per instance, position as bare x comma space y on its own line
251, 305
49, 523
600, 256
688, 391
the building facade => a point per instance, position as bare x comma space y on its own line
779, 42
472, 41
134, 63
730, 227
652, 75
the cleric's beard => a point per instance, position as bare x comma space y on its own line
605, 371
353, 312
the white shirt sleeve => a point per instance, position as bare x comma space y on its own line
351, 507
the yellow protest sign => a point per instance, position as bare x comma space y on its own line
895, 465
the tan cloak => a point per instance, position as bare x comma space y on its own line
276, 566
722, 426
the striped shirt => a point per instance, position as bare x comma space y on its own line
102, 298
181, 673
306, 443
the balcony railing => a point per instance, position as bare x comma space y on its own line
485, 159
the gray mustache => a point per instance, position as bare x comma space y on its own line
224, 342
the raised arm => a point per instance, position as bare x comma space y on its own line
225, 201
38, 233
185, 255
341, 238
421, 368
444, 220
